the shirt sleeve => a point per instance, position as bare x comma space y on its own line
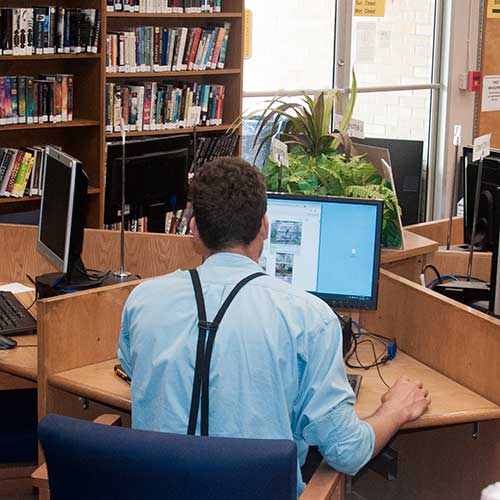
324, 413
124, 355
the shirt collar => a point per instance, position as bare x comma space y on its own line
230, 259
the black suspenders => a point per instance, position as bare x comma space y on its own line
204, 350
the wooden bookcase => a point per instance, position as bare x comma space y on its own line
85, 137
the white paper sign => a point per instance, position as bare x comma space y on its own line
279, 152
482, 147
491, 93
15, 288
366, 43
356, 128
457, 135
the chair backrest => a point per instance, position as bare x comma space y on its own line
87, 460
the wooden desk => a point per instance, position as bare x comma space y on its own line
21, 361
416, 246
451, 402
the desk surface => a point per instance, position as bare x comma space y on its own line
416, 246
451, 402
22, 361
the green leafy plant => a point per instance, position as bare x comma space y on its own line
322, 162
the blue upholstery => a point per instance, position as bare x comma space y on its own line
92, 461
18, 426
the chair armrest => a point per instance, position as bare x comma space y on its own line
41, 478
113, 420
326, 484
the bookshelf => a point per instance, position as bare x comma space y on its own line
85, 137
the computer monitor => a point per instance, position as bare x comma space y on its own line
485, 239
134, 149
407, 166
327, 246
61, 226
63, 210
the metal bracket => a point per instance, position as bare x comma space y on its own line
475, 432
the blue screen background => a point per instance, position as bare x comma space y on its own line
345, 227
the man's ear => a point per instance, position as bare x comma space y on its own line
264, 228
194, 231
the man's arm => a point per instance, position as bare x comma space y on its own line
404, 402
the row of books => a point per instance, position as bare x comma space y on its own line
26, 99
154, 48
211, 147
21, 171
134, 225
49, 30
165, 6
163, 106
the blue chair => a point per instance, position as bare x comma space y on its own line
91, 461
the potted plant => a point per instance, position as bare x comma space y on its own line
322, 162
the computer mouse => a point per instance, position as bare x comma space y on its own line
7, 343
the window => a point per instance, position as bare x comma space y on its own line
313, 43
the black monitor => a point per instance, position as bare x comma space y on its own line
407, 167
485, 240
159, 180
327, 246
62, 223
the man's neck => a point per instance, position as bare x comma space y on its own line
247, 251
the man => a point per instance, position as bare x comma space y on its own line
277, 369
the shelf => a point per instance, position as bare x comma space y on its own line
49, 57
7, 200
138, 15
34, 126
150, 74
199, 130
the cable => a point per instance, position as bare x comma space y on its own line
434, 268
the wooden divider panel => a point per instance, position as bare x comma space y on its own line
454, 339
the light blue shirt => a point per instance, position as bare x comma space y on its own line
277, 370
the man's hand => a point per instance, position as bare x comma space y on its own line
408, 399
404, 402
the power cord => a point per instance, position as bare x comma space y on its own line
389, 353
440, 279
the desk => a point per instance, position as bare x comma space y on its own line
20, 362
452, 403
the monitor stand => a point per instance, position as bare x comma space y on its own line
76, 279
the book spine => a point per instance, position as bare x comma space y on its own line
7, 49
148, 89
19, 182
52, 29
8, 171
64, 98
61, 15
16, 33
13, 175
117, 108
21, 97
70, 98
96, 33
225, 43
28, 25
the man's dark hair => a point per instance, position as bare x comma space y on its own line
229, 201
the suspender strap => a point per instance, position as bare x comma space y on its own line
204, 352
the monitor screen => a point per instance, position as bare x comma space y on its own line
55, 213
327, 246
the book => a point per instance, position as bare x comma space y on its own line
19, 184
13, 174
6, 31
8, 168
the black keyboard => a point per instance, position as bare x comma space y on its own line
355, 382
14, 318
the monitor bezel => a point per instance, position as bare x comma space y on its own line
71, 163
334, 300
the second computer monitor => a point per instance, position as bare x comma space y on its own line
326, 246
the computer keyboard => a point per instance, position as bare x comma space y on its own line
355, 382
14, 318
